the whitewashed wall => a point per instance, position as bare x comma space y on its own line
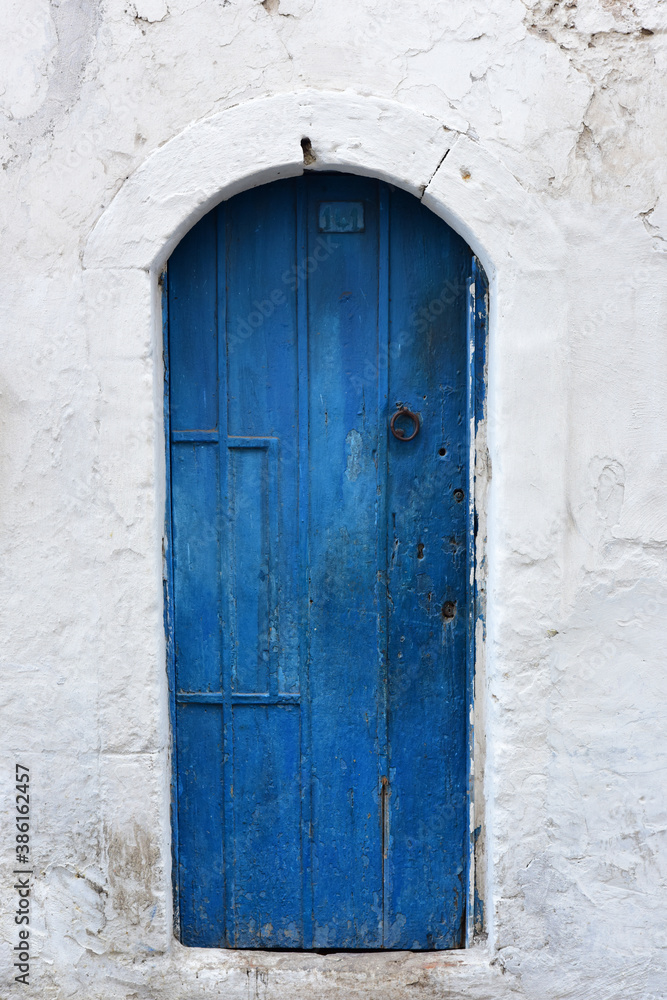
122, 122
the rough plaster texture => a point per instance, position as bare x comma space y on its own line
537, 129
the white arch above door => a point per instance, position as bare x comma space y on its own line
260, 141
518, 238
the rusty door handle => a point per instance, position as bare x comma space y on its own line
398, 432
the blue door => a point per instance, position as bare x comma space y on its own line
317, 390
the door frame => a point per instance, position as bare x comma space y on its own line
518, 237
477, 349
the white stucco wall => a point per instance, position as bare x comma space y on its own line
121, 124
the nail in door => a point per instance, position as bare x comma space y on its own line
318, 569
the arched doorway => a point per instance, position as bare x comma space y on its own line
319, 396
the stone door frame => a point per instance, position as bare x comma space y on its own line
522, 250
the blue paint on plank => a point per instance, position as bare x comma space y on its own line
168, 591
425, 892
261, 373
301, 556
192, 309
478, 303
248, 475
201, 861
345, 690
266, 846
197, 571
382, 587
258, 412
333, 560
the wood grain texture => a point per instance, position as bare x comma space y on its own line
320, 571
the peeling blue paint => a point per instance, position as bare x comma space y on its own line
317, 602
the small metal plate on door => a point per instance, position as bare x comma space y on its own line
341, 217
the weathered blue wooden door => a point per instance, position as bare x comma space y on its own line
318, 594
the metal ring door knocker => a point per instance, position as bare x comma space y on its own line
398, 432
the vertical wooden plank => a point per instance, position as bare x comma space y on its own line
302, 555
384, 789
194, 495
195, 541
195, 574
471, 348
478, 341
343, 360
249, 516
226, 590
261, 313
267, 849
260, 590
168, 594
427, 582
193, 341
200, 864
261, 373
